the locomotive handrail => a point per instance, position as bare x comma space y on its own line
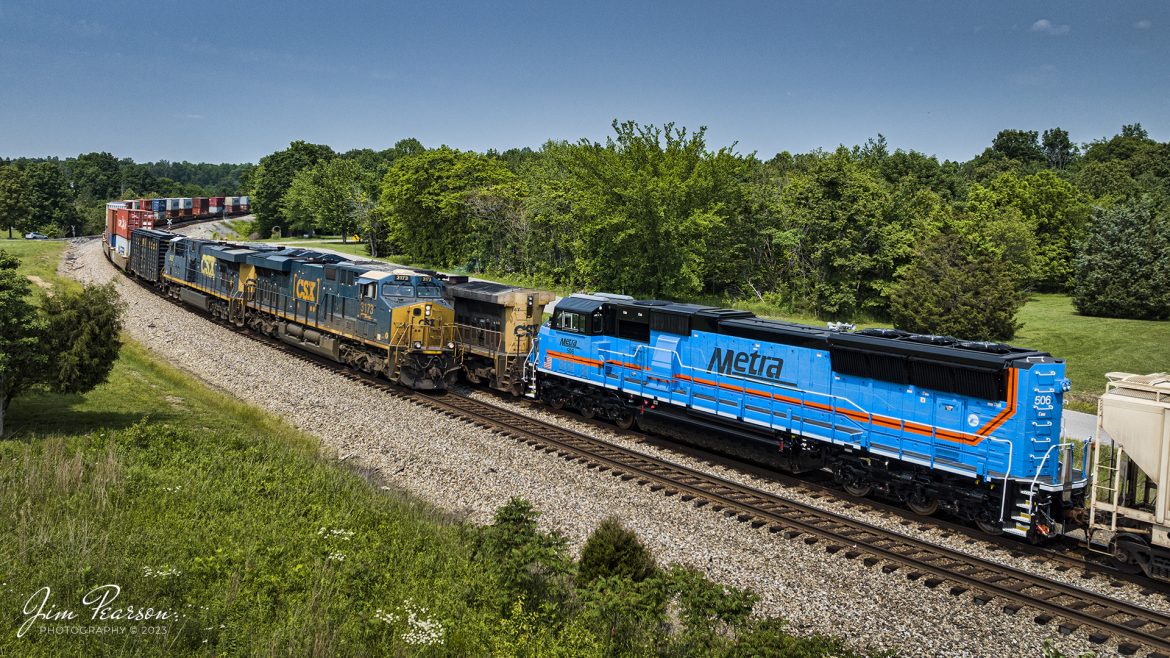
1007, 471
832, 398
1040, 468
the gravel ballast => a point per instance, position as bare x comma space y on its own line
471, 472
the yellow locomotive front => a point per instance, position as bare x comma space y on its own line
422, 332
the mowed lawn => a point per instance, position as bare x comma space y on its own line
1092, 347
38, 258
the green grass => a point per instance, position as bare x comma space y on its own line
251, 540
38, 258
1091, 346
233, 500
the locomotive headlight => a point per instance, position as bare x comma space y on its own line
418, 345
428, 307
450, 346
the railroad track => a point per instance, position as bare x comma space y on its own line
1068, 607
820, 486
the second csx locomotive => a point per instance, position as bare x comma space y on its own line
969, 427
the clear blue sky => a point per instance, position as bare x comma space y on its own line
232, 81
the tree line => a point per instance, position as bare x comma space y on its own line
865, 232
67, 197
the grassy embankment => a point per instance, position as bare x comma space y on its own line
232, 522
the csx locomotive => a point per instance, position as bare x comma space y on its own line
969, 427
379, 319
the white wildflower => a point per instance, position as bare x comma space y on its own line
164, 571
335, 533
420, 629
338, 557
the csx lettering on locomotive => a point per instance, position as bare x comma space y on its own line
752, 366
207, 266
305, 289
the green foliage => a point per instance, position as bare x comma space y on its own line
68, 344
14, 211
21, 360
95, 176
272, 178
1123, 267
966, 281
332, 196
650, 212
1019, 145
839, 240
1056, 211
612, 550
439, 206
80, 336
1059, 151
526, 563
49, 199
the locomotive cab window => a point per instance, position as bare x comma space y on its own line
569, 321
428, 290
396, 290
369, 290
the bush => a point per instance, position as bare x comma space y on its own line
614, 550
527, 563
1123, 267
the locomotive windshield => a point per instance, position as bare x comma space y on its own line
428, 290
397, 290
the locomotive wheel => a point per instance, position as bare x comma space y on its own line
557, 403
625, 420
517, 389
588, 411
923, 507
992, 528
859, 490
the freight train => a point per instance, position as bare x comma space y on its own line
970, 428
122, 217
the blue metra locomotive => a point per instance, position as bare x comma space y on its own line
972, 428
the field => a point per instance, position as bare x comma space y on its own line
1093, 346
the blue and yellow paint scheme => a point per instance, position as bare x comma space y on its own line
395, 322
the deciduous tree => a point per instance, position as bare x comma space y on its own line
1123, 265
274, 175
966, 281
425, 202
68, 345
14, 212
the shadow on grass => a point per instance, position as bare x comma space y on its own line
38, 415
